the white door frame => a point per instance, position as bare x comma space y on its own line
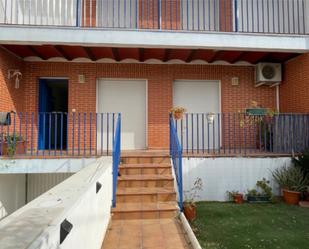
146, 96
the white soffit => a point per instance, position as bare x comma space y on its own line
152, 39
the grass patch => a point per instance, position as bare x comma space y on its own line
268, 226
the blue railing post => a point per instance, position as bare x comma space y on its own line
236, 14
77, 13
180, 186
116, 157
176, 154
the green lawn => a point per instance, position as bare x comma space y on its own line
271, 226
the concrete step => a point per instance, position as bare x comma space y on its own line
133, 181
146, 158
145, 169
156, 210
145, 195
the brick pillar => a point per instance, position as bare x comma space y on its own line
149, 11
148, 14
226, 15
89, 13
170, 11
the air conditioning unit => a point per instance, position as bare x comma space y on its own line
268, 74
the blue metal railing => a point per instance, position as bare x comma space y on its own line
116, 156
47, 134
250, 16
220, 134
176, 155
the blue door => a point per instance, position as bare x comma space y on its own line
52, 118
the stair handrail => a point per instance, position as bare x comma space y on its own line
176, 155
116, 157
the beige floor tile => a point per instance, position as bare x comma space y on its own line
145, 234
153, 241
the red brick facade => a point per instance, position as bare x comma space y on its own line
10, 98
294, 91
82, 97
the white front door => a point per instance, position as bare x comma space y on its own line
198, 98
127, 97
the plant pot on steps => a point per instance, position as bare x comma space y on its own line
178, 115
291, 197
189, 211
238, 199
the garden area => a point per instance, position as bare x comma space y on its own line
256, 218
268, 226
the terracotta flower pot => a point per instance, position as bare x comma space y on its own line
291, 197
190, 212
238, 199
20, 148
178, 115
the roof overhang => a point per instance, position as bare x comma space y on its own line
79, 53
31, 35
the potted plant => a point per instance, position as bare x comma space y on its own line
12, 144
292, 182
189, 205
302, 161
236, 197
261, 194
178, 112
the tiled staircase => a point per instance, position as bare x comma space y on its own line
145, 188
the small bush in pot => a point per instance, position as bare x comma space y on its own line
302, 161
178, 112
235, 196
189, 204
292, 182
12, 144
261, 194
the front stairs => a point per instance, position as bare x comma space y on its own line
145, 188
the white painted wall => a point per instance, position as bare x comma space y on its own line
40, 183
76, 200
227, 174
12, 193
28, 166
13, 189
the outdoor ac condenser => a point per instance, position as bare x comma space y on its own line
268, 74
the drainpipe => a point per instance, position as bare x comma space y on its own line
278, 98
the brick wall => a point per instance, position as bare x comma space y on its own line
10, 98
294, 91
82, 97
89, 13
